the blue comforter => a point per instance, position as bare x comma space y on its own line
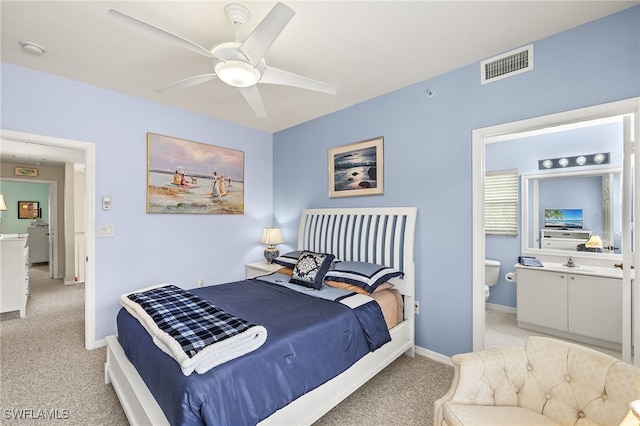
310, 341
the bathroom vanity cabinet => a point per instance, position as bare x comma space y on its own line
584, 304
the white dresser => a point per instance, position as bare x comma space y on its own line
38, 243
14, 283
563, 239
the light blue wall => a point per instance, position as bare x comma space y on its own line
147, 248
427, 164
22, 191
523, 154
427, 154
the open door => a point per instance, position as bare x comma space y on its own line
630, 240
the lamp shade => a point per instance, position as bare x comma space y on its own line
271, 236
3, 205
633, 416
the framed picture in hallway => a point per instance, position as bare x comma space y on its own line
356, 169
28, 209
185, 177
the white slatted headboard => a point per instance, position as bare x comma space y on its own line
377, 235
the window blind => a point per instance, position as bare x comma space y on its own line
501, 202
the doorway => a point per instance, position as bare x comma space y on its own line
61, 147
628, 109
51, 254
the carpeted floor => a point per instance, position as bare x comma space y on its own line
47, 377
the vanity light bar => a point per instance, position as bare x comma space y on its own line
578, 160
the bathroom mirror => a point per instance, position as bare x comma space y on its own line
561, 211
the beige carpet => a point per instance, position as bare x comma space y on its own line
47, 377
46, 374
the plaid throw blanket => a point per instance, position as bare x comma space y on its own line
197, 334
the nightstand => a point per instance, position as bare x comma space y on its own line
260, 268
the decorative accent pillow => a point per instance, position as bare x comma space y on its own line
288, 260
362, 274
311, 269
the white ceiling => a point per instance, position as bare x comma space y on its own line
366, 48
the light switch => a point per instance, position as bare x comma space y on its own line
106, 202
105, 231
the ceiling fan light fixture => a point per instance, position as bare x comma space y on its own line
32, 48
237, 73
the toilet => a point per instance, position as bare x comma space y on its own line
491, 275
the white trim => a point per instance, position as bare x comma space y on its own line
443, 359
512, 130
500, 308
89, 153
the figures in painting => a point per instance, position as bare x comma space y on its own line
222, 186
215, 190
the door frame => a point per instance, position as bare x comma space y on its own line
630, 107
90, 217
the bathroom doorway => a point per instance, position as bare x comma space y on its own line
549, 124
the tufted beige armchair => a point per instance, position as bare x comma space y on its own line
546, 382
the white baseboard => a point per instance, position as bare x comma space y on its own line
434, 355
500, 308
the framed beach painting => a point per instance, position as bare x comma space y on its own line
185, 177
356, 169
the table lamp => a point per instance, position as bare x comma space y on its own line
633, 416
3, 207
271, 236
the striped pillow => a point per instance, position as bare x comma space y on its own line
367, 276
288, 260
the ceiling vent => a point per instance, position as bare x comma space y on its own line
507, 65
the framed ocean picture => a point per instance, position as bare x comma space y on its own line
185, 177
356, 169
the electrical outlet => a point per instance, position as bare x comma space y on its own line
201, 282
416, 307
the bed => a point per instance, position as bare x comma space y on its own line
376, 235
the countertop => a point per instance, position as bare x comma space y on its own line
597, 271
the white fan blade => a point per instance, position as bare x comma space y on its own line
276, 76
262, 37
187, 82
159, 32
254, 100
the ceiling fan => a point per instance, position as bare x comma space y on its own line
238, 64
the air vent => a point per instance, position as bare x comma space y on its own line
507, 65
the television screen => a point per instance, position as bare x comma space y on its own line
563, 218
